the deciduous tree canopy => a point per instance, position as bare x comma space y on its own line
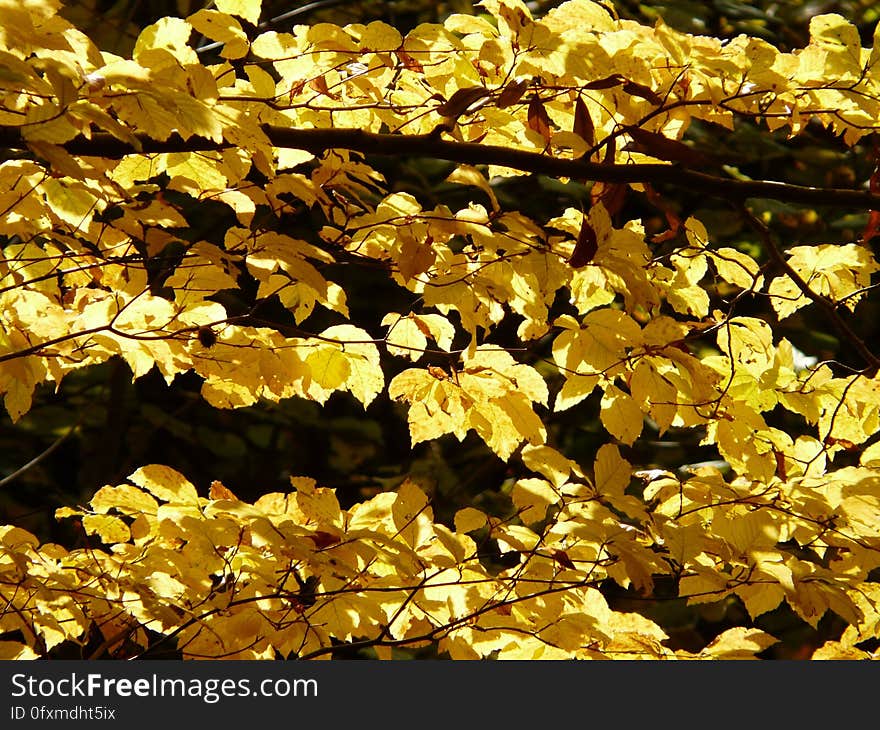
560, 325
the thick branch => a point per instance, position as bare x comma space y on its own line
431, 145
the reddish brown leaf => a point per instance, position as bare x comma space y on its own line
561, 557
512, 93
219, 491
671, 216
611, 195
437, 372
585, 247
872, 229
606, 83
295, 90
663, 237
780, 464
500, 607
461, 100
319, 84
643, 92
538, 120
610, 151
323, 539
583, 122
409, 62
845, 443
664, 148
422, 327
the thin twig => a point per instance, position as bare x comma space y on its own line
39, 457
273, 22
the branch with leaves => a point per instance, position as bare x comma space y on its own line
248, 223
431, 145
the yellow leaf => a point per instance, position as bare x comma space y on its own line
760, 598
739, 643
837, 651
737, 268
110, 529
165, 585
411, 514
247, 9
205, 172
612, 472
575, 15
287, 158
71, 202
273, 45
329, 367
60, 159
365, 379
745, 530
379, 36
621, 415
261, 80
405, 338
170, 34
649, 387
165, 483
222, 28
438, 406
548, 462
415, 257
192, 116
48, 123
17, 538
469, 175
684, 292
14, 650
574, 390
871, 455
243, 205
527, 423
318, 504
597, 345
469, 519
531, 497
491, 366
837, 271
125, 499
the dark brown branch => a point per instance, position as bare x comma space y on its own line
431, 145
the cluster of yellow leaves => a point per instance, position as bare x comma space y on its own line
492, 394
292, 573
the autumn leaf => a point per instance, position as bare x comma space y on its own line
665, 148
585, 247
538, 119
512, 93
583, 122
462, 101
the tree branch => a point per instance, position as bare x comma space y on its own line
431, 145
